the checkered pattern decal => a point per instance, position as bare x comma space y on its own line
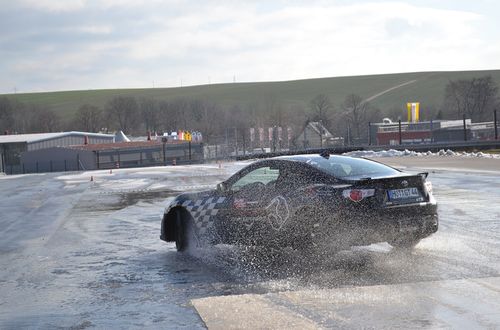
202, 210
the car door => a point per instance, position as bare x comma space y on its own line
244, 219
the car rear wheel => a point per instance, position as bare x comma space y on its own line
184, 231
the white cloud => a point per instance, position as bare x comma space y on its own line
94, 29
174, 40
53, 5
313, 41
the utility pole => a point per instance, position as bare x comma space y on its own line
244, 145
189, 146
321, 134
369, 133
227, 146
236, 140
399, 129
275, 131
305, 134
164, 141
465, 129
432, 132
496, 125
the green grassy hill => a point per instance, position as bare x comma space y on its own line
425, 87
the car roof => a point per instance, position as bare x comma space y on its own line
303, 158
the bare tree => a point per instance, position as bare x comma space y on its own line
22, 119
6, 115
473, 98
88, 118
169, 117
42, 120
321, 107
358, 113
150, 113
123, 111
196, 111
180, 108
210, 120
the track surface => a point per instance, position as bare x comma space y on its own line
80, 254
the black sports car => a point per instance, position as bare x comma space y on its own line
305, 200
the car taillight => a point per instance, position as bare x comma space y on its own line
357, 195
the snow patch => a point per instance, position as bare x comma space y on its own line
406, 153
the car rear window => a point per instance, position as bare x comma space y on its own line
341, 167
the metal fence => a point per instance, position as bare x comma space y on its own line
452, 131
157, 155
44, 166
77, 160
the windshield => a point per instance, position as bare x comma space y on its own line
341, 167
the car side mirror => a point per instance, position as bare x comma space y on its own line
221, 187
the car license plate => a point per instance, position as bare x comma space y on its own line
402, 194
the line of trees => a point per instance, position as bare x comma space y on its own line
19, 117
475, 98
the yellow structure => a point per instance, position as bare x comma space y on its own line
413, 111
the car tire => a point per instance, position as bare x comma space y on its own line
184, 231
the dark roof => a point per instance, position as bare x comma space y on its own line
123, 145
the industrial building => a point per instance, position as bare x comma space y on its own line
73, 151
12, 146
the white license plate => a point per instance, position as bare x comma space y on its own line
406, 193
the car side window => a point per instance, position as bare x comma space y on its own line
261, 175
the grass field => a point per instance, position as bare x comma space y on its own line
425, 87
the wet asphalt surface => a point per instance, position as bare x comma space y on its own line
78, 254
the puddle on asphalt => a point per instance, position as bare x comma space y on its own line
133, 197
115, 201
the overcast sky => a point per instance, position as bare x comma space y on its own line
48, 45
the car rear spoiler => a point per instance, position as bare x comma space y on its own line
424, 174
